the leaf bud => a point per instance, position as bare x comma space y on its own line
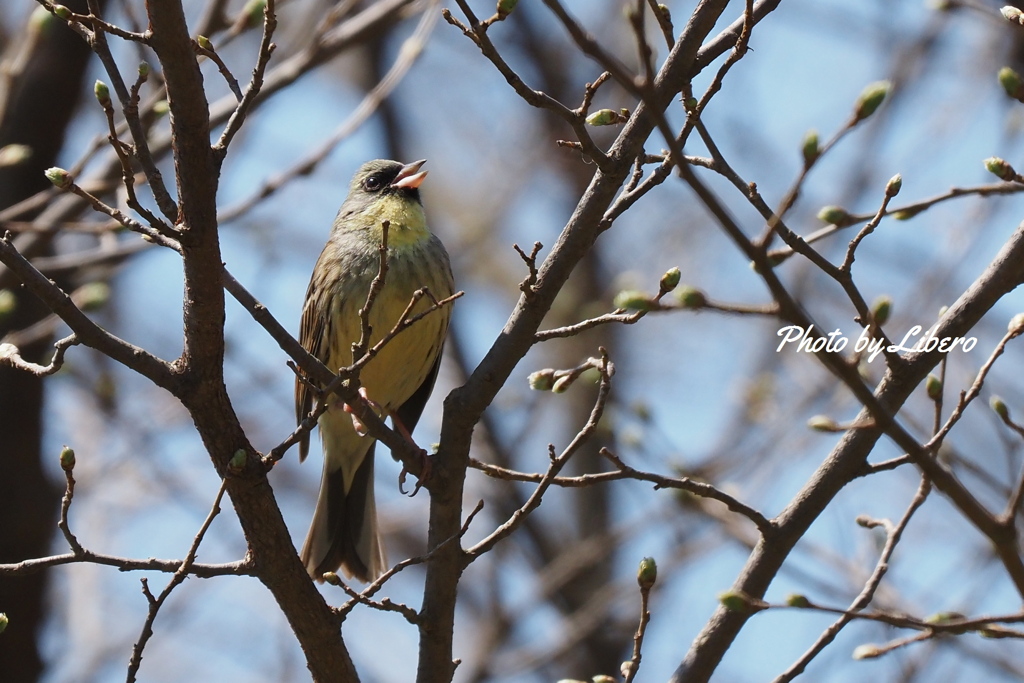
810, 147
253, 11
670, 280
1000, 168
102, 93
797, 600
871, 99
998, 406
8, 302
1011, 13
1012, 83
881, 309
867, 652
836, 215
933, 386
542, 380
60, 178
632, 300
237, 463
603, 117
62, 12
14, 154
67, 459
505, 7
893, 187
823, 423
736, 601
562, 384
691, 297
647, 573
92, 296
1016, 324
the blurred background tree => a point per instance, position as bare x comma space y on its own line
700, 392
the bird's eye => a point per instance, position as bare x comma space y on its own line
373, 183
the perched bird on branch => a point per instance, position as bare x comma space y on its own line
383, 201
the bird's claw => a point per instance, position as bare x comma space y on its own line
425, 469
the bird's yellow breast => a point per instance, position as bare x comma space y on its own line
406, 219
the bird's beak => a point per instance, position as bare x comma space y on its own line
408, 177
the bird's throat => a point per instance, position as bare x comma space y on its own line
407, 222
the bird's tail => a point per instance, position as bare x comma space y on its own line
343, 533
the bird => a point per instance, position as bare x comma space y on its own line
398, 381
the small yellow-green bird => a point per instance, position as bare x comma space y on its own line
398, 380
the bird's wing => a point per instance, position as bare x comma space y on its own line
313, 335
409, 412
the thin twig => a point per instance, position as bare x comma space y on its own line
180, 575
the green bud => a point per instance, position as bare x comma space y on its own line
690, 105
797, 600
632, 300
647, 573
92, 296
562, 384
867, 652
161, 108
3, 622
810, 147
691, 297
102, 93
996, 631
945, 618
204, 42
1016, 324
60, 178
1011, 13
933, 386
905, 214
665, 13
670, 280
893, 187
67, 459
237, 463
881, 309
253, 11
823, 423
12, 155
505, 7
62, 12
1000, 168
8, 302
735, 601
603, 117
542, 380
331, 578
1012, 83
602, 678
836, 215
143, 70
999, 407
39, 20
871, 99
